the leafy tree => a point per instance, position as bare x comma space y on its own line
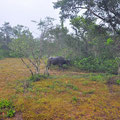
6, 31
90, 38
52, 37
60, 36
108, 11
5, 38
27, 47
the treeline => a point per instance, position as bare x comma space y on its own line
93, 45
96, 24
51, 40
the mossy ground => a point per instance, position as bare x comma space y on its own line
66, 95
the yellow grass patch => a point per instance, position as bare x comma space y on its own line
66, 95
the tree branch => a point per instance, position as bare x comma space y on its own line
27, 66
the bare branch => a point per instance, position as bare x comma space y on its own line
26, 66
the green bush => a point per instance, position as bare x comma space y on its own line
4, 53
7, 108
37, 77
118, 82
89, 64
5, 104
74, 99
10, 113
96, 65
110, 66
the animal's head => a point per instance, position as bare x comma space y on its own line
68, 62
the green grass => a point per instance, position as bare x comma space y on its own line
98, 77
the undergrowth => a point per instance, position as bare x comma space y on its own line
65, 95
37, 77
6, 109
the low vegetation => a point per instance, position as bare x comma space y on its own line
64, 95
89, 86
6, 109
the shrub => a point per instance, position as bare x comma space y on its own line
7, 108
4, 53
97, 65
118, 82
5, 104
10, 113
37, 77
74, 99
110, 66
89, 64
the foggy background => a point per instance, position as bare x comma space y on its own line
23, 11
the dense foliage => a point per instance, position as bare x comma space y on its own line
97, 65
108, 11
93, 45
96, 26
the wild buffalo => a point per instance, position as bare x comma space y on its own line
60, 61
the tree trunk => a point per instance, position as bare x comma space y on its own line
46, 71
27, 66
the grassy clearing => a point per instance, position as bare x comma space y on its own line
65, 95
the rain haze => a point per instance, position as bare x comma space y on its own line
60, 64
23, 11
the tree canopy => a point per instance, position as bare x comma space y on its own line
108, 11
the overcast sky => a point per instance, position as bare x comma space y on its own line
23, 11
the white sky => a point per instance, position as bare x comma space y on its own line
23, 11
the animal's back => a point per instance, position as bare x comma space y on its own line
59, 60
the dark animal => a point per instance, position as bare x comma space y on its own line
60, 61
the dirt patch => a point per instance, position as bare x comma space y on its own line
113, 80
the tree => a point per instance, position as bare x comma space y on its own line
27, 47
107, 11
106, 16
52, 37
6, 34
60, 36
90, 38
